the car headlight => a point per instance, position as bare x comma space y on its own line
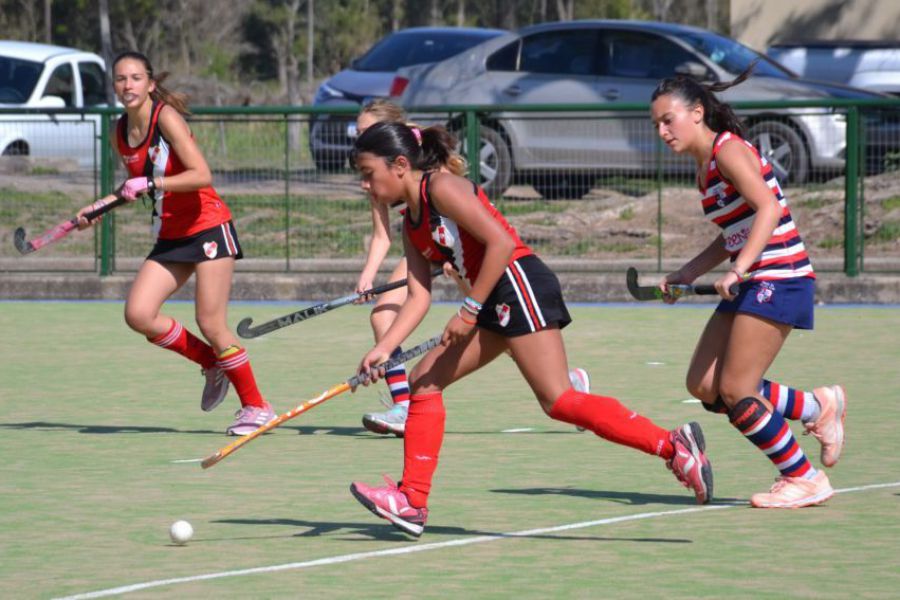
325, 93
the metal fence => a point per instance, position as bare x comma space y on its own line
587, 182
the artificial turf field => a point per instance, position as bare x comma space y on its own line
96, 424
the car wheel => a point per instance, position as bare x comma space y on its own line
572, 186
16, 149
494, 160
783, 147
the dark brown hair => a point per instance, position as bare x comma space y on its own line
718, 115
176, 100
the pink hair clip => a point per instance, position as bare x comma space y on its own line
418, 133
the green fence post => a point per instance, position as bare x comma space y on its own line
107, 225
473, 145
851, 208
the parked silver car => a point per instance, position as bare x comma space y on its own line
611, 61
371, 75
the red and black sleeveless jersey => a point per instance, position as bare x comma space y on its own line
439, 239
175, 214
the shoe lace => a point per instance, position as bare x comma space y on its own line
386, 400
781, 483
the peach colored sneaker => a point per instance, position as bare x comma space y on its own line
795, 492
829, 427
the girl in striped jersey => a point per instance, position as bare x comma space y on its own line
194, 236
383, 314
767, 257
514, 303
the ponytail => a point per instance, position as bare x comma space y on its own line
425, 149
718, 115
386, 111
176, 100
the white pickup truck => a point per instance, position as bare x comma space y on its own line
50, 77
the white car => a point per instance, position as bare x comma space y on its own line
871, 65
41, 76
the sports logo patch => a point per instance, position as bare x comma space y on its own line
765, 293
443, 237
210, 249
502, 314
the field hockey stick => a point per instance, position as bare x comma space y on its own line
60, 231
675, 290
327, 394
246, 331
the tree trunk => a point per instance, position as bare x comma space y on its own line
461, 13
310, 49
106, 45
48, 22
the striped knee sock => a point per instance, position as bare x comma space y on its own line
397, 381
422, 445
790, 402
235, 363
769, 432
180, 340
611, 420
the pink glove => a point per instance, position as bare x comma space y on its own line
134, 187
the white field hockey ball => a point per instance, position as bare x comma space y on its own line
181, 532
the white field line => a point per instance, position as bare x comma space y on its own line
519, 430
413, 548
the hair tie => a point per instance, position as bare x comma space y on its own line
418, 133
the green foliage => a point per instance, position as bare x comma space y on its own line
891, 203
889, 231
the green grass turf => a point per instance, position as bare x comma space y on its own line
93, 418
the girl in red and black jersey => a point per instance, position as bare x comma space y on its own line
514, 303
194, 235
768, 259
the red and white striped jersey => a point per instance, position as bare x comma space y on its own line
175, 214
784, 256
440, 239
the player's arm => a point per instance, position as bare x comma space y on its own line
196, 172
739, 165
378, 247
454, 197
411, 313
708, 259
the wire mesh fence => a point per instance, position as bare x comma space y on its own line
579, 183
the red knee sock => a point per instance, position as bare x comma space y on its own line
180, 340
609, 419
236, 365
421, 445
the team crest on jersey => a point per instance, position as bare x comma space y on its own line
502, 314
153, 153
720, 197
443, 237
210, 249
765, 293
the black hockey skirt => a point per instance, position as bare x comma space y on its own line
220, 241
526, 299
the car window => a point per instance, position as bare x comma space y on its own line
93, 83
504, 59
17, 79
61, 84
643, 56
404, 49
732, 56
569, 52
